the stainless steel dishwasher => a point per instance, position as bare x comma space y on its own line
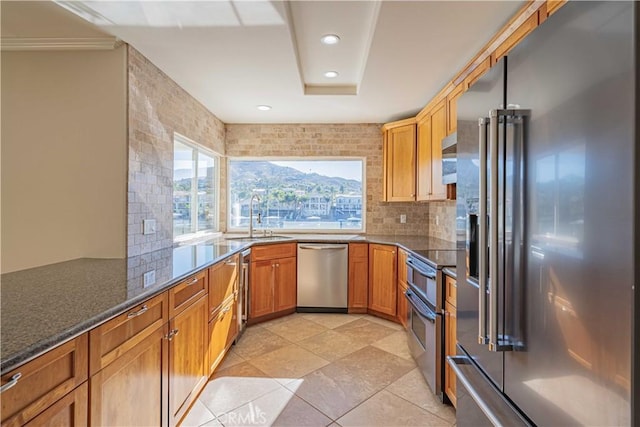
322, 277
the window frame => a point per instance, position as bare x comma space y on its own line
217, 163
362, 230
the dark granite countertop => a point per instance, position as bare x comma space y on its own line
45, 306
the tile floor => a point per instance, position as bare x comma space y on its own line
311, 369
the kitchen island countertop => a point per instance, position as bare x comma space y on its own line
45, 306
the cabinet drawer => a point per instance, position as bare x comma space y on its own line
43, 381
358, 250
282, 250
70, 411
450, 290
223, 282
188, 291
113, 338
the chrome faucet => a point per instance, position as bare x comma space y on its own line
257, 199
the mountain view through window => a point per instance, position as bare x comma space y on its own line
297, 194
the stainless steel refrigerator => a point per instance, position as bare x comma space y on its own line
546, 228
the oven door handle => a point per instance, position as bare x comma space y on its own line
428, 274
420, 307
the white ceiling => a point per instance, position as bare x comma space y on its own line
394, 56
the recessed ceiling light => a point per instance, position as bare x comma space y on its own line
329, 39
331, 74
264, 107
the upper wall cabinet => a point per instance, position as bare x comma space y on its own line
399, 152
431, 129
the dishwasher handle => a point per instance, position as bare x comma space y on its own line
323, 247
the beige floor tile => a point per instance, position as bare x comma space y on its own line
288, 363
213, 423
332, 390
396, 343
387, 409
282, 319
414, 388
258, 341
332, 345
331, 320
296, 329
373, 366
364, 330
234, 387
198, 415
384, 322
278, 408
230, 359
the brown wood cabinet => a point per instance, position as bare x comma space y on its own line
358, 293
42, 382
450, 317
383, 279
431, 129
185, 293
400, 163
222, 330
112, 339
132, 390
223, 283
401, 304
187, 353
70, 411
452, 107
273, 280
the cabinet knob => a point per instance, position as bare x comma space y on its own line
172, 334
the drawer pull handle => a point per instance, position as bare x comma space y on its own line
172, 334
11, 383
193, 281
138, 313
226, 309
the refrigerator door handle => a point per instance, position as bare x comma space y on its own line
482, 235
494, 120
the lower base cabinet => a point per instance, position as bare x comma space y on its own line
450, 350
71, 410
223, 329
187, 354
132, 390
403, 305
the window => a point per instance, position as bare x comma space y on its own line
297, 195
195, 188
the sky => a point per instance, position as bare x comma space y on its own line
349, 169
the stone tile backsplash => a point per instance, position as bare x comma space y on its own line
333, 140
158, 107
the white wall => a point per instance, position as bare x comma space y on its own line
64, 156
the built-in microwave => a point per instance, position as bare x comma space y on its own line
449, 158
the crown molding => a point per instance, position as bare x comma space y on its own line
29, 43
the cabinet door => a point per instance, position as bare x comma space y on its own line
424, 167
187, 346
382, 279
452, 108
132, 390
70, 411
438, 131
358, 276
450, 350
44, 380
261, 298
222, 331
223, 282
401, 164
285, 284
